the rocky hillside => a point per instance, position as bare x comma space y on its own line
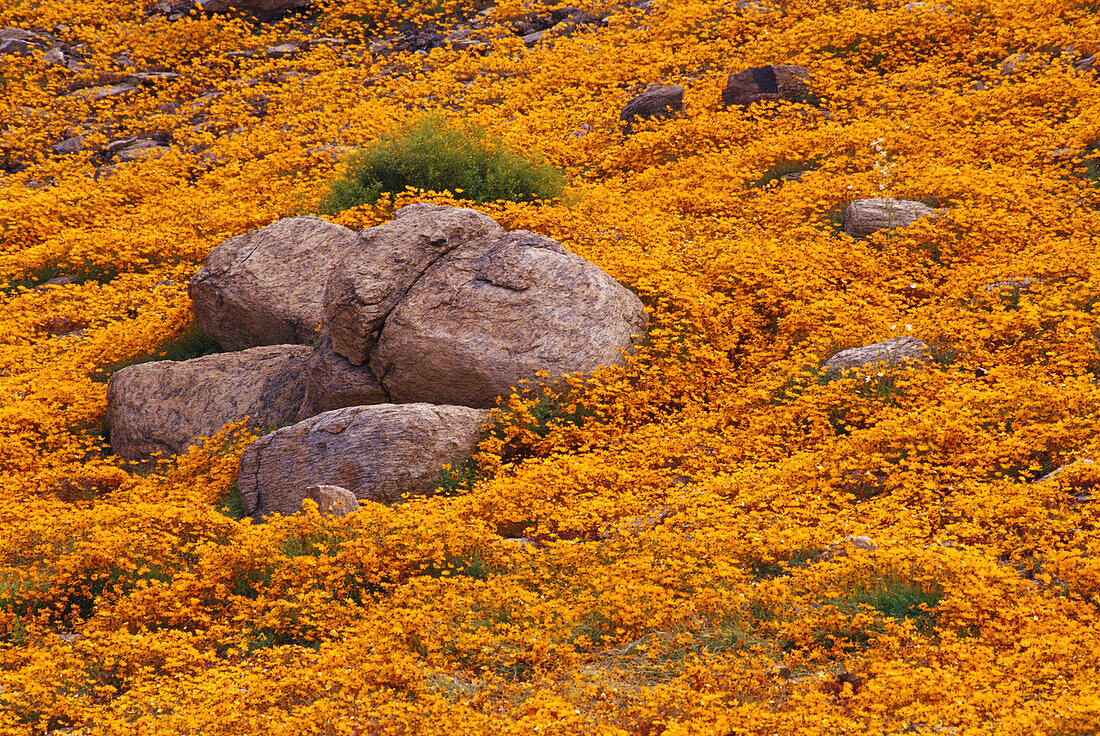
844, 483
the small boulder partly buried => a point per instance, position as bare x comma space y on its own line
865, 216
657, 102
497, 311
773, 82
379, 453
167, 406
265, 287
891, 352
333, 500
262, 9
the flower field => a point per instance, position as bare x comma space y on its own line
718, 537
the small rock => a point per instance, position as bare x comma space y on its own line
1059, 471
894, 351
333, 500
772, 82
54, 57
657, 102
781, 671
114, 90
69, 145
865, 216
281, 51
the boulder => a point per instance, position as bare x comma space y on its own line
379, 453
772, 82
892, 352
865, 216
374, 275
69, 145
657, 102
265, 287
167, 406
496, 311
332, 382
264, 9
333, 500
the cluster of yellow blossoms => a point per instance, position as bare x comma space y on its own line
722, 539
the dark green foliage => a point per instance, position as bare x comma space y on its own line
782, 169
768, 569
454, 480
79, 275
232, 505
896, 598
432, 155
192, 342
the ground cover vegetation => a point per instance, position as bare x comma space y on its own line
724, 538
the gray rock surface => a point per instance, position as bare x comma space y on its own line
332, 382
496, 311
891, 352
865, 216
166, 406
773, 82
262, 8
656, 102
333, 500
375, 275
377, 452
265, 287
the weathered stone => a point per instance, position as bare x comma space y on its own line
260, 8
865, 216
265, 287
332, 382
167, 406
375, 274
657, 102
496, 311
333, 500
379, 453
772, 82
892, 352
1076, 465
69, 145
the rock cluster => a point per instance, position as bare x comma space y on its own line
769, 83
381, 349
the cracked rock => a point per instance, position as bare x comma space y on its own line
167, 406
378, 453
265, 287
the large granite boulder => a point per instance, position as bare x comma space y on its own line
332, 382
265, 287
167, 406
379, 453
375, 275
496, 311
773, 82
891, 352
865, 216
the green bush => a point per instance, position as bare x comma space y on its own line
430, 154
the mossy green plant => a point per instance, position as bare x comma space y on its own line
432, 154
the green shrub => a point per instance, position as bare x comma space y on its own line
430, 154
